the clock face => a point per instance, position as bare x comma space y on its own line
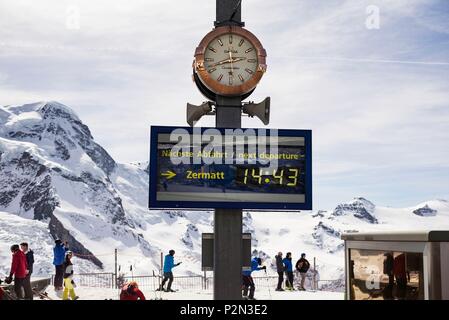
231, 59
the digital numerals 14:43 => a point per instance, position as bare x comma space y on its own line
289, 176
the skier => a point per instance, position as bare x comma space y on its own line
130, 291
69, 284
280, 269
302, 265
248, 282
59, 252
18, 270
30, 262
169, 264
289, 271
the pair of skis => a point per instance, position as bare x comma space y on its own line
42, 295
159, 287
157, 296
6, 295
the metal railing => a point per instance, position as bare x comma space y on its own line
150, 282
180, 282
95, 280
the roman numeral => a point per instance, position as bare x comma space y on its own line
241, 78
208, 59
231, 79
251, 60
212, 49
249, 50
230, 39
220, 42
220, 77
212, 70
249, 71
241, 42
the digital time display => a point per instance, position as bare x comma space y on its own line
214, 168
259, 176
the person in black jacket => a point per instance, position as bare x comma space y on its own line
302, 265
280, 269
30, 261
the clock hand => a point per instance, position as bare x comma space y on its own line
226, 61
220, 63
238, 59
230, 58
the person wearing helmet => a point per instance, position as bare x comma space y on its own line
248, 281
131, 292
169, 264
59, 252
69, 284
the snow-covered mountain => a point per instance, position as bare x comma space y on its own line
57, 182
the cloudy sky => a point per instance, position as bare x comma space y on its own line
375, 92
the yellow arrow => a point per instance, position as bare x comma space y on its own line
169, 174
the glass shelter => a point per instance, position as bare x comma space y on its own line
397, 265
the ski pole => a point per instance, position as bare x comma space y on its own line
288, 281
155, 291
268, 284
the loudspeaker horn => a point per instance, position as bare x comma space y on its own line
260, 110
194, 113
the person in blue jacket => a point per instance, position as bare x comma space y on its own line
58, 261
169, 264
288, 271
248, 282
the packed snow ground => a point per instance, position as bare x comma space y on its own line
86, 293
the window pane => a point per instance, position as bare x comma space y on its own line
383, 275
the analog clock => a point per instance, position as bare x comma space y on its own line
229, 61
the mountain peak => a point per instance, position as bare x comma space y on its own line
359, 207
56, 109
44, 108
54, 128
425, 211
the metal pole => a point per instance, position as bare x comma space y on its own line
225, 9
115, 274
228, 222
315, 286
162, 263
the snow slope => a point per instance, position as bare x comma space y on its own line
57, 182
15, 230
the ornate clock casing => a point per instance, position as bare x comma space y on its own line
229, 61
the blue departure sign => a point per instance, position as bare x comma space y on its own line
263, 169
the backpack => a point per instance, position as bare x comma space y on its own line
305, 266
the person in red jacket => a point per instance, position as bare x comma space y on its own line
18, 270
131, 292
401, 274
